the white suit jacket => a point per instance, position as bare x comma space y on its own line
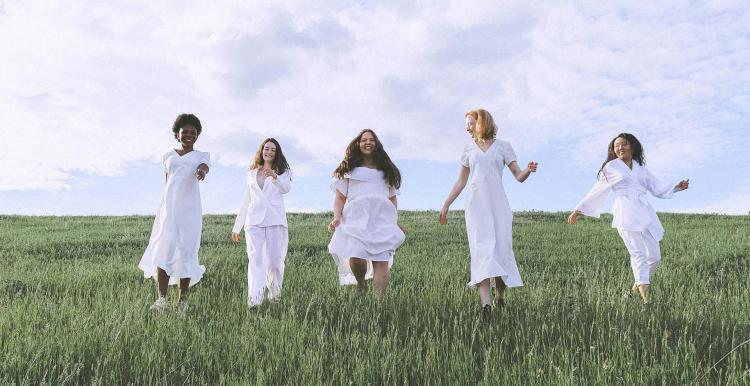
631, 210
263, 207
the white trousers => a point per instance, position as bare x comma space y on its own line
266, 252
644, 254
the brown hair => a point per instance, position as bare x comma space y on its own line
353, 158
279, 164
485, 123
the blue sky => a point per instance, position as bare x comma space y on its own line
88, 92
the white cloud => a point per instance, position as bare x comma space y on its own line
94, 87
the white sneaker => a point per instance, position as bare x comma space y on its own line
160, 305
182, 307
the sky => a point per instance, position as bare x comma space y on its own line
89, 91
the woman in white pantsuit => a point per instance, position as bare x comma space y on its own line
263, 217
632, 215
489, 218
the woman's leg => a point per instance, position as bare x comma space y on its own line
276, 247
359, 269
636, 245
162, 282
184, 286
500, 286
257, 264
484, 292
380, 276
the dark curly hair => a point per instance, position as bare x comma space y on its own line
353, 158
635, 147
186, 119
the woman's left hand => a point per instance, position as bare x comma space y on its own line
532, 166
201, 174
270, 173
684, 184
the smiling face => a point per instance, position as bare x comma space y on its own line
471, 125
367, 144
269, 153
623, 149
187, 135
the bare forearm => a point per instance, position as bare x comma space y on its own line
338, 206
457, 188
522, 175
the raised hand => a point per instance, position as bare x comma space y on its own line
270, 173
682, 185
201, 174
532, 166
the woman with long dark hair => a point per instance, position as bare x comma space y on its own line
263, 216
365, 217
624, 173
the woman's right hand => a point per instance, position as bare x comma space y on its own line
443, 217
573, 217
236, 237
334, 223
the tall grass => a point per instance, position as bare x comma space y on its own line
74, 308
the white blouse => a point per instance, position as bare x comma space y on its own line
631, 210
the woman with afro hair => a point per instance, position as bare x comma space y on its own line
172, 253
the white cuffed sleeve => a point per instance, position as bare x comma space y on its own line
509, 155
465, 155
341, 186
658, 188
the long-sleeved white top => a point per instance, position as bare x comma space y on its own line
631, 210
263, 207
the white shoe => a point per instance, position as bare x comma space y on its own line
160, 305
182, 307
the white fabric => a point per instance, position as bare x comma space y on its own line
368, 228
489, 219
266, 253
176, 233
263, 206
644, 254
631, 210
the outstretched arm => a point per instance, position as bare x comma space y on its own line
463, 177
338, 208
522, 175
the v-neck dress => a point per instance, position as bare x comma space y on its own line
176, 233
489, 219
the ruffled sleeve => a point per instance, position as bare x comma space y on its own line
341, 185
206, 158
164, 160
506, 150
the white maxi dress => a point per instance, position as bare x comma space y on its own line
369, 225
489, 219
176, 233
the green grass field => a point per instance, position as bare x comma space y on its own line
74, 308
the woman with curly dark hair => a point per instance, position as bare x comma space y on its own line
624, 173
365, 226
172, 253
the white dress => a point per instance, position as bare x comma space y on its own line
489, 219
176, 234
368, 228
